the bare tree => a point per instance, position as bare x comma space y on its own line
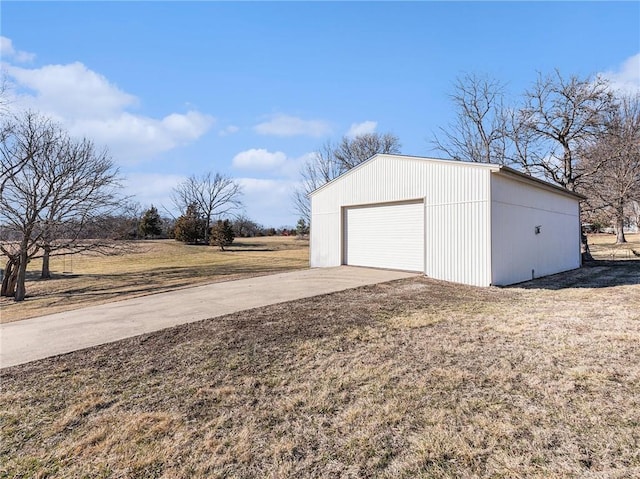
332, 160
245, 227
21, 138
214, 195
480, 132
351, 151
88, 186
560, 117
62, 185
615, 160
5, 97
321, 168
634, 212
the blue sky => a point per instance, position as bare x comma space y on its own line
252, 89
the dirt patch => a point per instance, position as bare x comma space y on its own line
415, 378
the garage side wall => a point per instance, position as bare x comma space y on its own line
458, 243
456, 199
519, 253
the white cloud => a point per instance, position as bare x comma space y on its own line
285, 125
88, 104
152, 188
71, 91
134, 138
259, 159
364, 128
627, 76
277, 163
269, 201
291, 168
7, 51
229, 130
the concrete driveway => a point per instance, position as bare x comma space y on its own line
38, 338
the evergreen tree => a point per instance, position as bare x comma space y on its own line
190, 227
222, 234
150, 223
302, 228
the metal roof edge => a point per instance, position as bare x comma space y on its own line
495, 168
491, 166
538, 182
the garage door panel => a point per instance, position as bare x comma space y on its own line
385, 236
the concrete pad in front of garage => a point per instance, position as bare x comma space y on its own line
45, 336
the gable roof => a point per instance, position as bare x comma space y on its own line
493, 167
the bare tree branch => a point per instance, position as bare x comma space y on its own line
560, 117
350, 152
58, 186
614, 188
480, 132
214, 195
332, 160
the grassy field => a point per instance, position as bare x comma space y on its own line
603, 246
415, 378
151, 267
157, 266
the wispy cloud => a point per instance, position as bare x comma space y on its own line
364, 128
8, 52
627, 76
286, 125
228, 130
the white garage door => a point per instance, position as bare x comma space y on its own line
385, 236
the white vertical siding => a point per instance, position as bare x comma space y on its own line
457, 243
456, 197
325, 239
518, 253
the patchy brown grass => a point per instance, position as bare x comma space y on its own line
158, 266
603, 246
415, 378
152, 267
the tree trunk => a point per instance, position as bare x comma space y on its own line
8, 288
586, 253
568, 168
620, 225
21, 277
46, 272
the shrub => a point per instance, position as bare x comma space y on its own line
221, 234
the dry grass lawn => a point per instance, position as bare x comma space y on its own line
152, 267
603, 246
411, 379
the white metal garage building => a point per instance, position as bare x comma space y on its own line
470, 223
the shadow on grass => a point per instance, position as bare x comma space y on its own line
234, 249
158, 280
594, 274
35, 276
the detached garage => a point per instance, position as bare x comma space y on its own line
470, 223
